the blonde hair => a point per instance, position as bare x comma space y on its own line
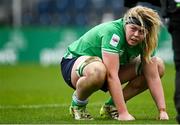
149, 19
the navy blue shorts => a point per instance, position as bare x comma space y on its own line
66, 68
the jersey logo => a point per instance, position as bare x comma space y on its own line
114, 40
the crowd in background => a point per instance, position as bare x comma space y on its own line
63, 12
68, 12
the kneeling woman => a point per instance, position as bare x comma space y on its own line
111, 54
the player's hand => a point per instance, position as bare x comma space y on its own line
125, 117
163, 115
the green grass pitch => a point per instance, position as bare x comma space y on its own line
30, 93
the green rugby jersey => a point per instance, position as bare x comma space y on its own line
108, 37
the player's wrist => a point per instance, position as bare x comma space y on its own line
162, 110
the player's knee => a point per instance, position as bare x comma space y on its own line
97, 74
139, 85
160, 65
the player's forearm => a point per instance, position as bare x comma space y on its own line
115, 90
154, 84
157, 92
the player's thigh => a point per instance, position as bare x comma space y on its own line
130, 71
81, 65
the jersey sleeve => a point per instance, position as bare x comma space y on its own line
111, 43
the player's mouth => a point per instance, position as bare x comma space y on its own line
134, 41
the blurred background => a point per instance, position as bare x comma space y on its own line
38, 31
33, 37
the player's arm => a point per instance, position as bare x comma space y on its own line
151, 73
111, 61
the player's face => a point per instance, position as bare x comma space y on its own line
135, 34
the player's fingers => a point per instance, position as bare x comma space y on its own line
163, 116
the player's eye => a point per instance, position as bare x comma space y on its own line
141, 31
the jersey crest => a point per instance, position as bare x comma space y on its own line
115, 40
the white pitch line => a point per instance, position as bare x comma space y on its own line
32, 106
38, 106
